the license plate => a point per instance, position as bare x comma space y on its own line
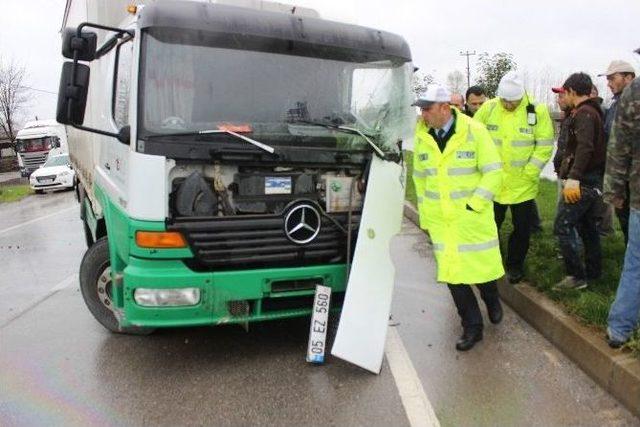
319, 325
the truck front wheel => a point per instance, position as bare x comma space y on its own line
96, 288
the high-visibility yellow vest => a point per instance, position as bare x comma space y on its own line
524, 148
468, 172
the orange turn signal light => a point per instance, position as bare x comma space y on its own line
160, 239
132, 9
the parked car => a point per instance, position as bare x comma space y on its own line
55, 173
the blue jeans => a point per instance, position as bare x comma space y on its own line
623, 316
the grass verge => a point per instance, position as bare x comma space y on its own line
13, 193
545, 266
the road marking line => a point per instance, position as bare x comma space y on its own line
64, 283
414, 399
36, 219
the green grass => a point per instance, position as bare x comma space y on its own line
13, 193
545, 266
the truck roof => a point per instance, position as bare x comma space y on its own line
295, 34
117, 9
41, 123
41, 128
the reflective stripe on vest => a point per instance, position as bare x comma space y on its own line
454, 195
522, 143
461, 194
425, 173
518, 163
485, 194
469, 247
461, 171
474, 247
537, 162
497, 141
491, 167
545, 142
432, 195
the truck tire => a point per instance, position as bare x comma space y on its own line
95, 285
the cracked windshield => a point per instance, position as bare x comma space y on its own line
277, 98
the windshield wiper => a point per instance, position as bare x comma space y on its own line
269, 149
350, 130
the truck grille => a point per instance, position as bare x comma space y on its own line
32, 161
258, 241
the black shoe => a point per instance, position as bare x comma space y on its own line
515, 276
495, 313
615, 343
468, 340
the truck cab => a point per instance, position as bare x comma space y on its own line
34, 142
223, 156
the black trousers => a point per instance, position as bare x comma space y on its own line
467, 304
522, 215
583, 217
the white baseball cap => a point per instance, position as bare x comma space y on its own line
434, 93
510, 87
618, 66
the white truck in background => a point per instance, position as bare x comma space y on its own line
36, 140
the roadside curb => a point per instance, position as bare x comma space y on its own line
616, 371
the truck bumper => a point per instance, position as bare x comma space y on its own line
226, 297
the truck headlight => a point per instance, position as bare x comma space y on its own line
166, 297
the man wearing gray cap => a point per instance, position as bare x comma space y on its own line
620, 74
457, 171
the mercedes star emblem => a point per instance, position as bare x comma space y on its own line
302, 223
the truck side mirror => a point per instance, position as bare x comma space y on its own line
85, 45
72, 93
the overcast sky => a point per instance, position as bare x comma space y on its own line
552, 38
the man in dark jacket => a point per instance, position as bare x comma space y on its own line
620, 74
581, 171
475, 97
563, 134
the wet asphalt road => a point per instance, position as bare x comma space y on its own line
60, 367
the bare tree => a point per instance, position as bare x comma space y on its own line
455, 82
420, 83
492, 68
13, 97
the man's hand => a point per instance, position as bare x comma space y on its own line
571, 191
616, 202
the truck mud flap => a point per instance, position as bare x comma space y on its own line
362, 331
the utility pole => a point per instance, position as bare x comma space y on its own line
468, 54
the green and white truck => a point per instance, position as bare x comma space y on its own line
226, 157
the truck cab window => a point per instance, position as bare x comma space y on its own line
122, 83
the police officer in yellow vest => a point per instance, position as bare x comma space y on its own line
523, 133
457, 172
